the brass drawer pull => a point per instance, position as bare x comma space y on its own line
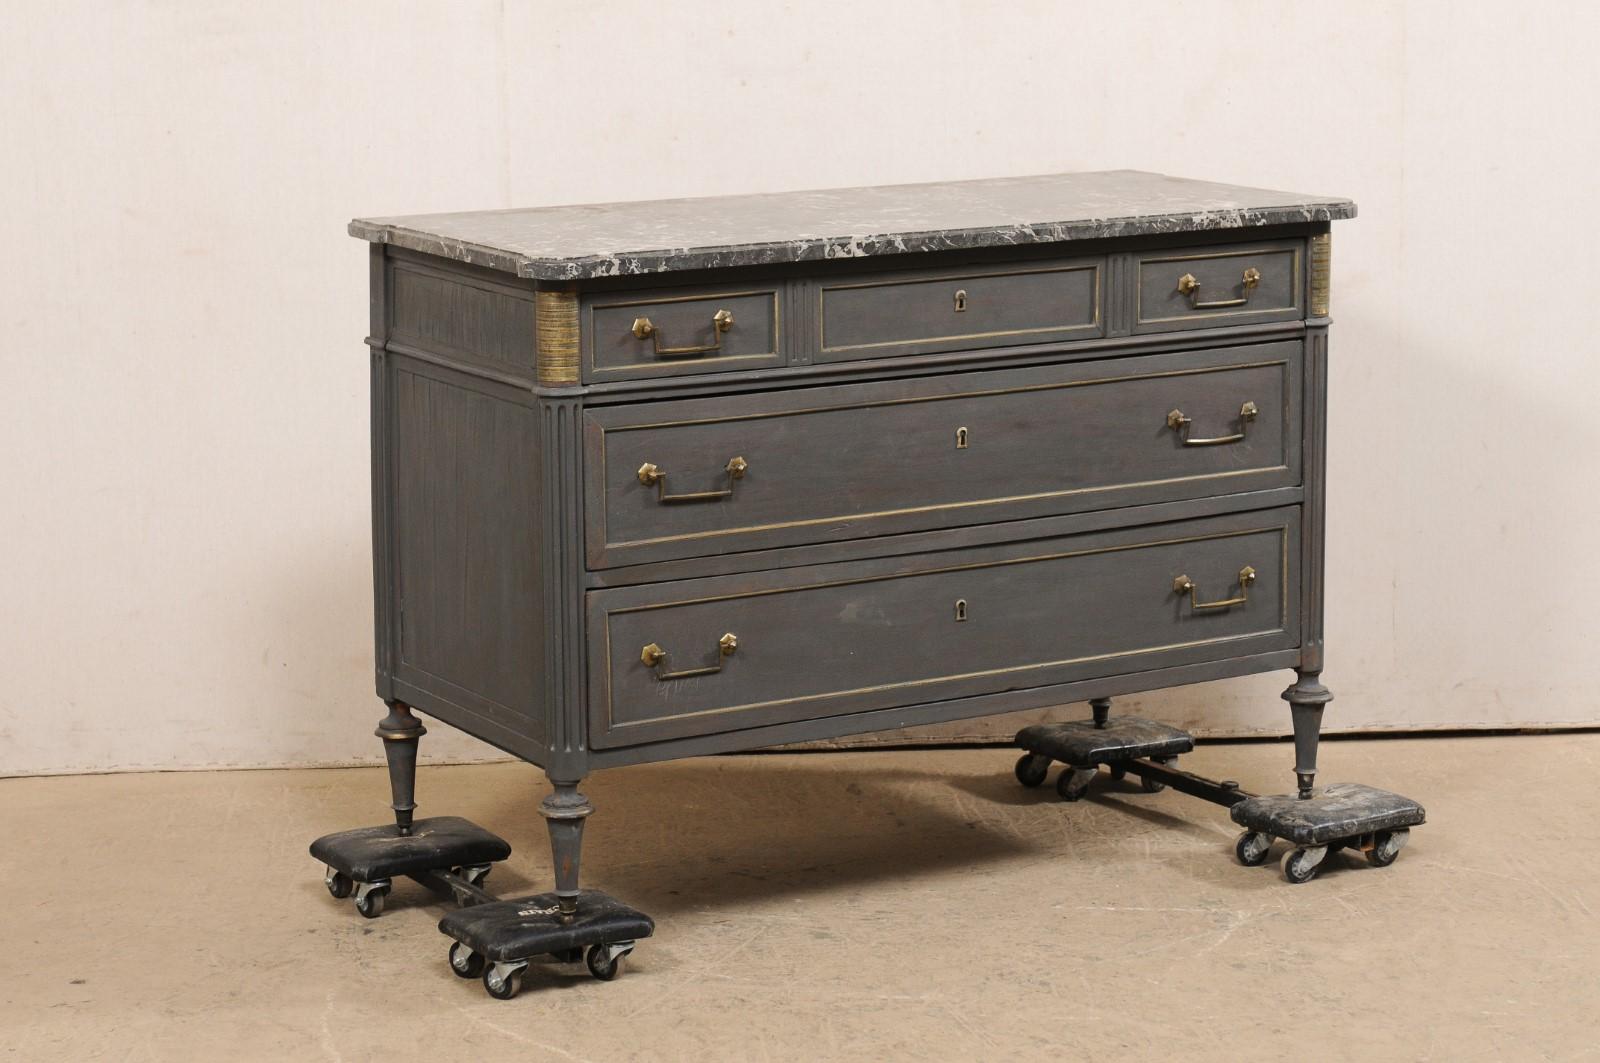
721, 322
1180, 423
655, 657
1185, 585
1188, 285
655, 476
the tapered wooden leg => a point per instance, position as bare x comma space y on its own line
401, 733
564, 812
1306, 699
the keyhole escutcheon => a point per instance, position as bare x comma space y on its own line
961, 439
961, 609
961, 299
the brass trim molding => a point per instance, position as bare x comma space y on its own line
556, 337
1321, 263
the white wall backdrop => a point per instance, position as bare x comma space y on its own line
183, 421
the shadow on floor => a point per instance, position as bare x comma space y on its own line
732, 831
747, 831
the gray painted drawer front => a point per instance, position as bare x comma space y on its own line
682, 319
904, 313
872, 635
1208, 286
844, 462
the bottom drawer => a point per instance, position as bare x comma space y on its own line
704, 656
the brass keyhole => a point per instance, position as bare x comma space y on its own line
961, 299
961, 609
961, 439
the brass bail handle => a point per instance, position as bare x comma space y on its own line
652, 475
644, 329
1180, 423
1185, 585
653, 656
1188, 285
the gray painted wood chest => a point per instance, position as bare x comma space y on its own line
653, 480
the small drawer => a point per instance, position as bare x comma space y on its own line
725, 653
1213, 286
667, 333
742, 472
922, 312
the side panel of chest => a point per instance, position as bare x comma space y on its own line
463, 586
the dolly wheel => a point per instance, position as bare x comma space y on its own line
1073, 783
602, 964
370, 904
1031, 769
339, 884
473, 873
464, 962
502, 986
1153, 786
1252, 848
1387, 847
1298, 868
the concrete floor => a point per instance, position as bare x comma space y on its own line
851, 905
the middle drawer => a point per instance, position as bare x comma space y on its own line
707, 476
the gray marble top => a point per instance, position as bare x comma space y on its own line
614, 239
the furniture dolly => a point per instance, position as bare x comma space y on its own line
659, 480
1316, 822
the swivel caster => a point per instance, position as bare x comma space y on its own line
1386, 846
605, 961
465, 963
1152, 786
474, 874
1300, 865
504, 980
1073, 782
1118, 772
1031, 769
369, 898
1252, 848
339, 884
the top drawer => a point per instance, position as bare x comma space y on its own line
668, 332
921, 312
1210, 286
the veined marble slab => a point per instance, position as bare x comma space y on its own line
659, 236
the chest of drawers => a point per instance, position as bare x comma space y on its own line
654, 480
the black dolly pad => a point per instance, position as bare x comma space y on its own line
368, 854
1333, 813
531, 926
1122, 738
